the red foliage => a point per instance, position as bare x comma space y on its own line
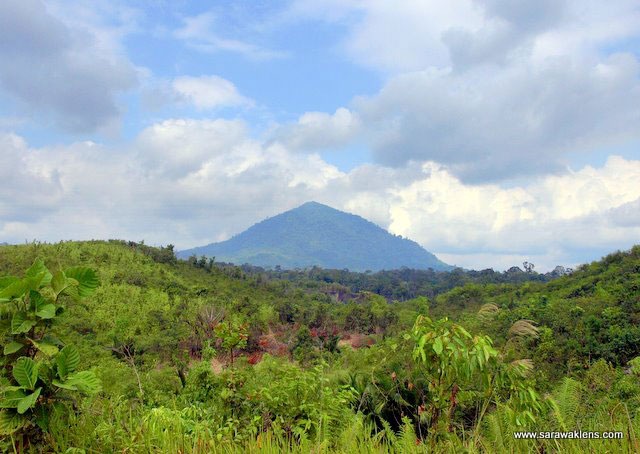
255, 358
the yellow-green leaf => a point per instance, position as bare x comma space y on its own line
438, 346
12, 347
39, 270
10, 422
45, 347
25, 371
59, 282
20, 323
12, 398
86, 278
67, 360
28, 401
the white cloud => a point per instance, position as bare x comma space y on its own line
29, 190
412, 35
208, 92
61, 69
626, 215
492, 89
179, 147
552, 218
394, 36
320, 131
490, 125
180, 181
199, 33
190, 182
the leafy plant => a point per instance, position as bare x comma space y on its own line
462, 367
37, 369
232, 335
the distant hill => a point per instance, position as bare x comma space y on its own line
315, 234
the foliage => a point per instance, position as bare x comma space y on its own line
233, 334
318, 366
463, 368
38, 370
315, 234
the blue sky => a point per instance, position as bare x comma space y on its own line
490, 131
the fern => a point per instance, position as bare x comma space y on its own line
565, 403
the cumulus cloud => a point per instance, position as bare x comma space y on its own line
522, 120
60, 69
397, 37
626, 215
29, 190
208, 92
320, 131
491, 89
191, 182
182, 181
507, 27
553, 218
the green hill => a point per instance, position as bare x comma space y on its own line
317, 235
198, 357
591, 314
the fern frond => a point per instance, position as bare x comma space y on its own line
565, 403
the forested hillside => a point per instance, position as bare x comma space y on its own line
316, 234
153, 354
397, 285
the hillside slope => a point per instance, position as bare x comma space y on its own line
160, 334
591, 314
315, 234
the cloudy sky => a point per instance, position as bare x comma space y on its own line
490, 131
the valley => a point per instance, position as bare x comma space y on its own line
213, 357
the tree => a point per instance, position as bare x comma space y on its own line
232, 334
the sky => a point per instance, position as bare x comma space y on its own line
489, 131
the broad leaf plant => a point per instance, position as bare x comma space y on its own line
37, 370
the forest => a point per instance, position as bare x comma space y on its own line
115, 346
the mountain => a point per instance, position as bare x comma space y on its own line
315, 234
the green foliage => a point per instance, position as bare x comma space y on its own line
318, 366
315, 234
461, 366
34, 368
233, 334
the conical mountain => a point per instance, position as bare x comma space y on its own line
315, 234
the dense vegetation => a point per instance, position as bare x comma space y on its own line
395, 285
179, 356
315, 234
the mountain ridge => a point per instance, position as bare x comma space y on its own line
314, 234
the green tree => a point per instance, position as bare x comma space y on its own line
232, 334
